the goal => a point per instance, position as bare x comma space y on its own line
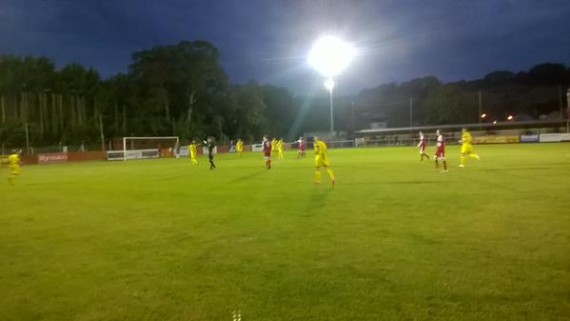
145, 148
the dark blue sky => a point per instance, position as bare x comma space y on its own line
268, 40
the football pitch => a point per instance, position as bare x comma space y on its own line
395, 240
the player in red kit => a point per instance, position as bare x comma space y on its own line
302, 148
267, 152
440, 152
422, 147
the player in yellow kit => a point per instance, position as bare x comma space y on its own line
193, 148
466, 147
279, 147
239, 147
273, 145
14, 163
322, 160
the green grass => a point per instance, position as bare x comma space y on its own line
162, 240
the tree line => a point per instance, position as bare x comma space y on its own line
538, 93
183, 90
179, 90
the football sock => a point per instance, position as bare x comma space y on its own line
331, 173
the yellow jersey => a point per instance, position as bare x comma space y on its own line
321, 148
466, 138
193, 150
239, 146
279, 144
14, 160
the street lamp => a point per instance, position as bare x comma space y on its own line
330, 56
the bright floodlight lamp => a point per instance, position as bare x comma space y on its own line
329, 84
331, 55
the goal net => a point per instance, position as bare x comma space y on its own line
144, 148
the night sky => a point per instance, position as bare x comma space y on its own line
268, 41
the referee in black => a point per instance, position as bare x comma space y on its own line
210, 144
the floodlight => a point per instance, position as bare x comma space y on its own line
329, 84
331, 55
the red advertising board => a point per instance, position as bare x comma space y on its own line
52, 158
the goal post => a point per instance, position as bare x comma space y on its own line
134, 147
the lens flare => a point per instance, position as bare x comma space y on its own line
331, 55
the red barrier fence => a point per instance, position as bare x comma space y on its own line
52, 158
86, 156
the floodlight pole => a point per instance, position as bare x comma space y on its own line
480, 107
568, 110
329, 56
352, 127
411, 112
27, 139
331, 105
329, 84
560, 102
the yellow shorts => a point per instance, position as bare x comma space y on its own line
466, 149
321, 161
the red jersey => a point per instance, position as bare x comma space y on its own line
302, 146
267, 148
440, 152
